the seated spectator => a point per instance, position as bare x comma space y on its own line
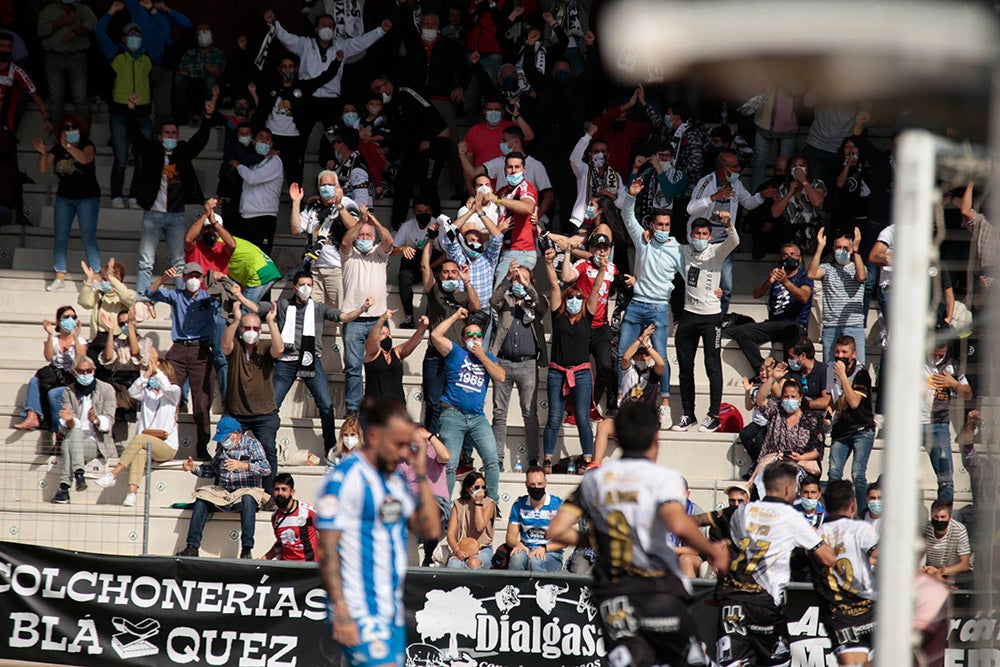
437, 457
752, 435
800, 199
156, 432
530, 548
294, 524
71, 159
61, 348
238, 467
349, 439
470, 526
735, 496
793, 433
810, 502
843, 291
200, 70
86, 416
123, 358
942, 382
261, 193
947, 542
688, 557
105, 295
384, 362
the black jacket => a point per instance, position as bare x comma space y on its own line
182, 182
299, 98
413, 119
434, 76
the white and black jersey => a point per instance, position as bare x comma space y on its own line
851, 579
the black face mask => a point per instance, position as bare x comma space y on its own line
241, 110
940, 525
282, 501
386, 344
536, 493
5, 56
843, 360
287, 76
423, 219
789, 264
509, 83
208, 239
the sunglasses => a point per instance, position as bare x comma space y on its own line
72, 317
479, 486
86, 371
474, 334
251, 328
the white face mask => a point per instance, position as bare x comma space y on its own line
326, 34
205, 38
192, 284
351, 441
471, 344
642, 364
428, 34
250, 337
304, 291
484, 190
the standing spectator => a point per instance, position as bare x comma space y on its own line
767, 230
71, 159
384, 363
518, 342
512, 141
853, 421
947, 542
86, 418
409, 241
984, 476
61, 348
569, 363
352, 171
850, 205
472, 518
594, 177
131, 101
261, 193
662, 181
830, 126
364, 254
483, 142
789, 290
943, 381
468, 369
482, 44
621, 132
238, 467
64, 28
530, 548
253, 270
200, 71
192, 329
686, 137
776, 123
704, 264
483, 242
15, 82
157, 23
518, 203
799, 200
250, 390
294, 524
843, 292
237, 145
722, 191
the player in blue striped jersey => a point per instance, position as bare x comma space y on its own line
364, 508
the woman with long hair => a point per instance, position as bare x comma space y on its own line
470, 526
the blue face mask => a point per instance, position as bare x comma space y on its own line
85, 380
789, 405
699, 244
518, 290
493, 117
153, 383
795, 364
106, 286
72, 136
474, 254
809, 504
350, 118
327, 192
124, 331
364, 246
450, 285
68, 324
169, 143
562, 76
574, 305
733, 178
133, 42
246, 141
504, 148
262, 148
842, 257
875, 507
514, 180
661, 236
590, 213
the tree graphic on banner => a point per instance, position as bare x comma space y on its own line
450, 613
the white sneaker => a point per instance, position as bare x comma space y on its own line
666, 421
105, 481
55, 285
117, 202
129, 500
133, 203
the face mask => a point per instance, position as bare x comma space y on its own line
536, 493
241, 110
304, 291
598, 160
789, 405
590, 213
809, 504
875, 507
106, 286
386, 98
204, 39
798, 169
733, 178
595, 260
509, 83
642, 364
519, 290
504, 148
85, 380
842, 257
72, 136
514, 180
493, 117
373, 110
327, 192
192, 284
67, 324
153, 383
450, 285
124, 329
428, 34
364, 246
386, 344
846, 362
282, 501
574, 305
262, 148
561, 76
208, 239
326, 34
169, 143
287, 76
484, 190
133, 43
350, 118
350, 441
699, 245
229, 443
795, 364
789, 264
939, 525
471, 344
423, 219
250, 336
246, 141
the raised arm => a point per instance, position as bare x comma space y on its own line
426, 272
495, 370
595, 292
555, 294
372, 347
407, 348
229, 335
439, 336
814, 272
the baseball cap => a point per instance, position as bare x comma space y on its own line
193, 267
227, 426
598, 239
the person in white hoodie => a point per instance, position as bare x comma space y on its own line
703, 262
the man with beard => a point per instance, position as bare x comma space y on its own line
294, 524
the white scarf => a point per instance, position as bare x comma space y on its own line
308, 324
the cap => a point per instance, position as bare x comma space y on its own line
728, 490
193, 267
131, 27
227, 426
598, 239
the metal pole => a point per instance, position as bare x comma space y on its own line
146, 493
912, 215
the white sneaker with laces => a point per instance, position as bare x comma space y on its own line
129, 500
55, 285
133, 203
105, 481
666, 421
117, 202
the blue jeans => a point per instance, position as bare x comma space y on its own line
86, 211
522, 562
726, 282
455, 426
218, 358
490, 62
33, 401
258, 293
265, 429
202, 508
119, 145
582, 394
762, 153
285, 373
860, 443
830, 336
638, 316
937, 441
154, 224
526, 258
433, 386
485, 555
355, 335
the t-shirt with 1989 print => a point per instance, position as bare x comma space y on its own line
466, 381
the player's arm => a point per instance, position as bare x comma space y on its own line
345, 630
675, 516
562, 527
825, 555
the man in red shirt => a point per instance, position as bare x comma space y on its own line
208, 243
294, 524
518, 202
483, 139
621, 133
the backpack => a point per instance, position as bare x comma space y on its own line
730, 418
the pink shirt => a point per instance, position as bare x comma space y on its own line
435, 474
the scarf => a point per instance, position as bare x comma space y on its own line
596, 181
350, 163
678, 137
307, 346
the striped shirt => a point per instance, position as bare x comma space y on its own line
843, 296
369, 510
480, 269
534, 523
944, 552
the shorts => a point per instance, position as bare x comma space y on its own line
381, 644
648, 628
752, 634
850, 632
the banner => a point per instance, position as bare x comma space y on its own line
75, 608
